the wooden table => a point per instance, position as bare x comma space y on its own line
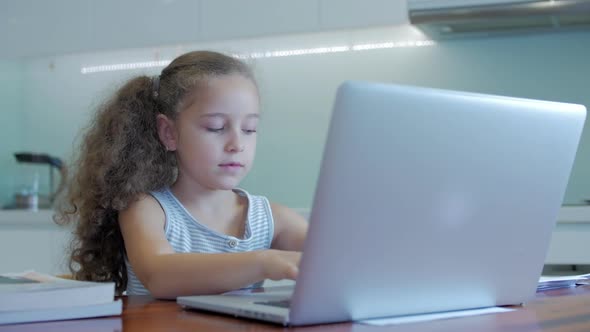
557, 310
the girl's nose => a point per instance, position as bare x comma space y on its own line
235, 143
235, 148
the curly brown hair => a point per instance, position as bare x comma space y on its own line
121, 157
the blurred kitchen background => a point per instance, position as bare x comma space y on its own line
53, 52
59, 59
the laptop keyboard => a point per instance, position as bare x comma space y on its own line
282, 303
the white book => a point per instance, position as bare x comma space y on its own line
103, 324
36, 291
555, 282
41, 315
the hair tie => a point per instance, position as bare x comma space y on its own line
156, 86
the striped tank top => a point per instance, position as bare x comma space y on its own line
185, 233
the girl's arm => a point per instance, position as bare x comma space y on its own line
290, 228
167, 274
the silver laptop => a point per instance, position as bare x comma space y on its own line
427, 201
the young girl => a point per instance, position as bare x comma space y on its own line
155, 196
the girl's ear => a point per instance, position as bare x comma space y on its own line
167, 132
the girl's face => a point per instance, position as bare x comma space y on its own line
216, 132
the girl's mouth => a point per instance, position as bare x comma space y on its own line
231, 164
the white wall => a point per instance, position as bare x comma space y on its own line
297, 91
12, 125
37, 27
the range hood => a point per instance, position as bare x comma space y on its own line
457, 18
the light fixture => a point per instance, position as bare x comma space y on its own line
269, 54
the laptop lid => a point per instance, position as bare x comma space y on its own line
427, 200
432, 200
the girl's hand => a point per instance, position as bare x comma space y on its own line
280, 264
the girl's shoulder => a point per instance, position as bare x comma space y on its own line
144, 207
277, 210
280, 211
251, 198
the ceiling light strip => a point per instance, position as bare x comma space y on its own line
268, 54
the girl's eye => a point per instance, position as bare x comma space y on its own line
215, 130
249, 131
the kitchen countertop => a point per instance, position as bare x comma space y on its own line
574, 214
570, 214
25, 217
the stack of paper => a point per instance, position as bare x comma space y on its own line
34, 297
550, 282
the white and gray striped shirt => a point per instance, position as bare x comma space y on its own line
186, 234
